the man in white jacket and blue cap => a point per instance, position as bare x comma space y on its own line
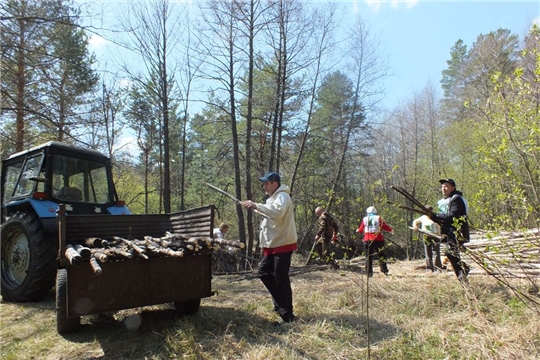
278, 241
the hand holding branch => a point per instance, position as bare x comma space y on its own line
248, 204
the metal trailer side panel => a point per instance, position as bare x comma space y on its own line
137, 282
80, 227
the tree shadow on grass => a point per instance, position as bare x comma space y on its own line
215, 331
161, 333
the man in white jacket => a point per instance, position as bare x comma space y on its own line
278, 241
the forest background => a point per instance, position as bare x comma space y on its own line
282, 91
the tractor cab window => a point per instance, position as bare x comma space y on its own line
12, 175
80, 180
26, 182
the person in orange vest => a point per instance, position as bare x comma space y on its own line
372, 226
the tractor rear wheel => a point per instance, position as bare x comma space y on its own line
28, 258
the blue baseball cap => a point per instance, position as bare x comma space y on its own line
271, 176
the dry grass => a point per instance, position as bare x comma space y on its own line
412, 315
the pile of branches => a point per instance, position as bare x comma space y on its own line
97, 250
226, 260
507, 253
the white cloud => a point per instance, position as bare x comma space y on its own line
376, 5
355, 9
97, 41
411, 3
125, 83
127, 144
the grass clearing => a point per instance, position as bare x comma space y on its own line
412, 315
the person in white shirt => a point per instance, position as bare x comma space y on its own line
278, 241
219, 232
431, 243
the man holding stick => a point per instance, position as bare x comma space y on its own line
454, 226
278, 241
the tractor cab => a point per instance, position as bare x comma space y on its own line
33, 185
53, 173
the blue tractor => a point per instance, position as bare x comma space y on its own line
33, 184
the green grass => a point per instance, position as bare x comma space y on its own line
411, 316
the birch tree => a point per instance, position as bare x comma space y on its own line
155, 30
366, 67
222, 44
323, 43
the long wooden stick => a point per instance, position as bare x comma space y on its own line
406, 207
423, 210
412, 199
311, 251
422, 231
233, 198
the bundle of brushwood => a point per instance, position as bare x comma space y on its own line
227, 258
507, 253
96, 250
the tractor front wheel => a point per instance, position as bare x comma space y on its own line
28, 258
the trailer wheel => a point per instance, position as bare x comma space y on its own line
64, 324
28, 258
188, 307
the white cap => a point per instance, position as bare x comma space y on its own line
371, 210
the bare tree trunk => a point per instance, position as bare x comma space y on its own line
249, 121
21, 89
282, 89
156, 31
234, 130
323, 45
280, 56
221, 18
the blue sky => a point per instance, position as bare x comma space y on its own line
418, 35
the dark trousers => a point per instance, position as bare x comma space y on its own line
452, 253
432, 245
375, 248
274, 274
323, 250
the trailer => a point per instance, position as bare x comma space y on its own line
130, 283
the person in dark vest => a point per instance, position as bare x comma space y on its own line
327, 232
372, 227
454, 226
